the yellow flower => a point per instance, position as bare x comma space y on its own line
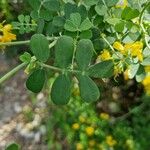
89, 131
82, 119
126, 74
122, 4
146, 84
79, 146
105, 55
137, 45
117, 70
118, 46
6, 36
75, 126
110, 141
135, 49
92, 143
147, 69
104, 116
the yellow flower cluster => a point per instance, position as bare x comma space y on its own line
79, 146
5, 33
104, 116
105, 55
146, 81
89, 131
146, 84
133, 49
92, 143
122, 4
110, 141
75, 126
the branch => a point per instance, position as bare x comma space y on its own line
142, 26
12, 72
23, 42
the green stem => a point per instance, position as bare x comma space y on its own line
58, 69
23, 42
142, 26
74, 51
109, 13
142, 12
12, 72
110, 46
50, 67
15, 43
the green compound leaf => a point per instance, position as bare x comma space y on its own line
40, 47
103, 69
129, 13
12, 146
88, 89
84, 53
64, 51
36, 80
26, 57
61, 90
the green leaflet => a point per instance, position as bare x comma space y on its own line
13, 146
111, 3
88, 89
73, 23
40, 47
146, 61
101, 9
61, 90
36, 80
133, 69
129, 13
103, 69
85, 25
52, 5
140, 75
90, 2
64, 51
84, 53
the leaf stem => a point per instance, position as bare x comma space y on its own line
23, 42
58, 69
142, 26
12, 72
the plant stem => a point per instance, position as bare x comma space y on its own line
23, 42
110, 46
142, 26
50, 67
142, 12
15, 43
12, 72
58, 69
